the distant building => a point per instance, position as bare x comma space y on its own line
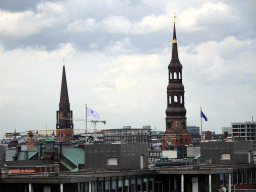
195, 135
193, 130
208, 135
229, 129
127, 135
245, 131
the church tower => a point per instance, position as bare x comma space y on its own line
176, 128
64, 125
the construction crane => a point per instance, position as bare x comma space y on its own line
93, 122
30, 141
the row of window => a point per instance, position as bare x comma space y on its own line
135, 137
175, 75
132, 141
126, 185
238, 178
158, 154
175, 99
244, 130
243, 126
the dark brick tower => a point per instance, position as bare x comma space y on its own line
64, 125
176, 128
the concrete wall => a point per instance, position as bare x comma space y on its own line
127, 155
240, 152
170, 153
195, 151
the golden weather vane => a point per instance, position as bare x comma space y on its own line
63, 61
174, 16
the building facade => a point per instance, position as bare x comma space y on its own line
127, 135
245, 131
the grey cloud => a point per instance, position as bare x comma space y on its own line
20, 5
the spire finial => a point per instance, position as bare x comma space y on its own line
174, 17
63, 61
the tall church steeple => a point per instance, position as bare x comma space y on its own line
64, 125
175, 91
64, 101
176, 128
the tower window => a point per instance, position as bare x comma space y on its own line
176, 123
175, 75
170, 100
181, 99
175, 98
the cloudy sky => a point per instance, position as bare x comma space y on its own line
117, 54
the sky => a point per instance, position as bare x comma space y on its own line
117, 54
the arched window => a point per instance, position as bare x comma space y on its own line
170, 99
181, 99
175, 75
175, 98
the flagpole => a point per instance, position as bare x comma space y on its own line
201, 124
85, 123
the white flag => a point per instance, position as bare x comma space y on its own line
92, 113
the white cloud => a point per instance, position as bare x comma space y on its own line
195, 19
208, 60
191, 19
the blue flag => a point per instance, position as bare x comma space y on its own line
92, 113
202, 115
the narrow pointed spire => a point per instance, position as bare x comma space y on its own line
64, 101
175, 55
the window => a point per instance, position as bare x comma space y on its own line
181, 99
120, 185
112, 161
176, 123
170, 100
225, 156
175, 75
139, 184
175, 98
